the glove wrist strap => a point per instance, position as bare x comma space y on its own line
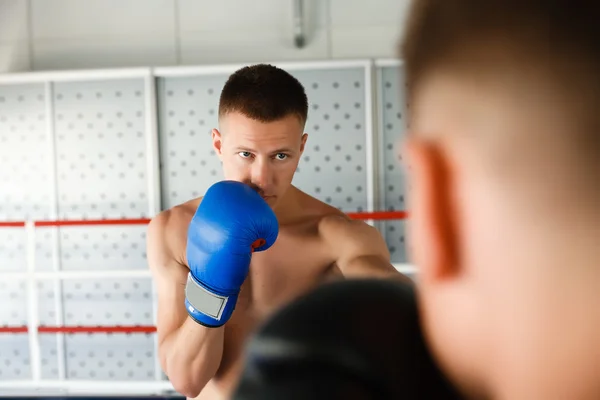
202, 300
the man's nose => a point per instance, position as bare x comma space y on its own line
262, 176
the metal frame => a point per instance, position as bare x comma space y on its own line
381, 145
154, 182
53, 214
187, 71
86, 387
380, 64
72, 76
371, 140
66, 275
388, 62
32, 306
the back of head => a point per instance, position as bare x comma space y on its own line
504, 148
264, 93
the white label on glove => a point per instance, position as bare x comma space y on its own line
206, 302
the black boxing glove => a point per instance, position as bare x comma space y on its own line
354, 339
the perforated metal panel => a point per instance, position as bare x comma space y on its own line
48, 345
393, 184
14, 350
24, 162
12, 249
110, 357
100, 148
24, 194
103, 247
101, 172
14, 357
109, 302
188, 112
100, 139
24, 176
333, 166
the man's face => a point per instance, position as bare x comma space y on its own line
264, 155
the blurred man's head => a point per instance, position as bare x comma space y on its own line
262, 113
504, 156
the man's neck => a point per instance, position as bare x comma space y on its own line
288, 206
566, 361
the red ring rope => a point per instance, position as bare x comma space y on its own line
98, 329
140, 221
12, 224
379, 215
82, 329
13, 329
375, 215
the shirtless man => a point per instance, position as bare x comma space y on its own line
260, 140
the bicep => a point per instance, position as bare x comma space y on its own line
363, 240
363, 252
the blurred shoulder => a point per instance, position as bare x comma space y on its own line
176, 216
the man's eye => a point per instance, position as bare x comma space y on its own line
281, 156
245, 154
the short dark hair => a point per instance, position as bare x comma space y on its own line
556, 41
465, 31
264, 93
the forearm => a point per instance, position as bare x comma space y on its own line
191, 356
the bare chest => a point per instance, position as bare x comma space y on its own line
294, 265
290, 268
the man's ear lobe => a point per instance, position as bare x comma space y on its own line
432, 239
303, 142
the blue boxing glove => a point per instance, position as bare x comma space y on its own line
231, 222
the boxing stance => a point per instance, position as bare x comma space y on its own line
219, 249
225, 262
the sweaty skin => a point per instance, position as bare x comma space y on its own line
316, 243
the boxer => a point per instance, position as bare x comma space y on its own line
223, 263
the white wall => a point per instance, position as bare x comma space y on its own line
74, 34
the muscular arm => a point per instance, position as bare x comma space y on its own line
359, 249
189, 353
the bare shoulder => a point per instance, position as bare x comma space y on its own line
334, 224
167, 231
349, 236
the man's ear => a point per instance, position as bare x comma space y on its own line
303, 142
217, 141
432, 234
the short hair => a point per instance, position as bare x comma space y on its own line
557, 39
264, 93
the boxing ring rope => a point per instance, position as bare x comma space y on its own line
375, 215
34, 329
